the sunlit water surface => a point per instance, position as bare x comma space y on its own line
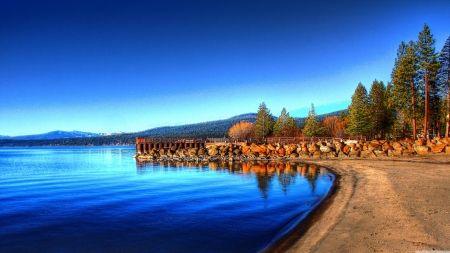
98, 199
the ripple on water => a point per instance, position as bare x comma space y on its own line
98, 199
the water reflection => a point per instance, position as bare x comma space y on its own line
264, 172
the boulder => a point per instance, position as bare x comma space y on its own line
421, 149
409, 146
396, 152
366, 146
262, 148
374, 146
193, 151
445, 141
447, 149
380, 153
397, 146
303, 154
347, 142
325, 149
346, 149
342, 154
387, 147
255, 148
419, 142
213, 152
408, 152
245, 149
270, 147
253, 154
201, 151
366, 153
354, 153
355, 148
316, 154
437, 148
312, 149
331, 155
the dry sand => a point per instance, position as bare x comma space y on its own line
399, 204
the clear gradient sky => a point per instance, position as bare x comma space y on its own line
109, 66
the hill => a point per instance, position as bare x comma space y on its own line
52, 135
217, 128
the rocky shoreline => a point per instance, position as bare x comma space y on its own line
316, 150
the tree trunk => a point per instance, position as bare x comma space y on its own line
425, 121
413, 98
447, 129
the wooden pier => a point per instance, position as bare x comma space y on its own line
145, 145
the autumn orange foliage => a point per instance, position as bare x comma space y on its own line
242, 129
334, 127
330, 124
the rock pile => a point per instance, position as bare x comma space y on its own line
319, 150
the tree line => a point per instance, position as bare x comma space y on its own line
414, 104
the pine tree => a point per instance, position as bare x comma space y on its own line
264, 122
312, 127
390, 110
378, 108
444, 80
359, 115
285, 125
428, 66
281, 122
404, 94
343, 116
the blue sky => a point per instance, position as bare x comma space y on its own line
109, 66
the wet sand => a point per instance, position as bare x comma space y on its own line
399, 204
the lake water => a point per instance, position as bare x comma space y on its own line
99, 199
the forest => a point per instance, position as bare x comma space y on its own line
414, 104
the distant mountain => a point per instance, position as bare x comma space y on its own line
52, 135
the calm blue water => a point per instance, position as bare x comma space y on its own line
98, 199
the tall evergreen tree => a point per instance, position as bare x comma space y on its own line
358, 113
428, 66
285, 125
264, 122
378, 108
404, 94
390, 113
444, 80
281, 122
312, 126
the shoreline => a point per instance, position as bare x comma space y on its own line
287, 240
379, 205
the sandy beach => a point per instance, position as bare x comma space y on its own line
391, 204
